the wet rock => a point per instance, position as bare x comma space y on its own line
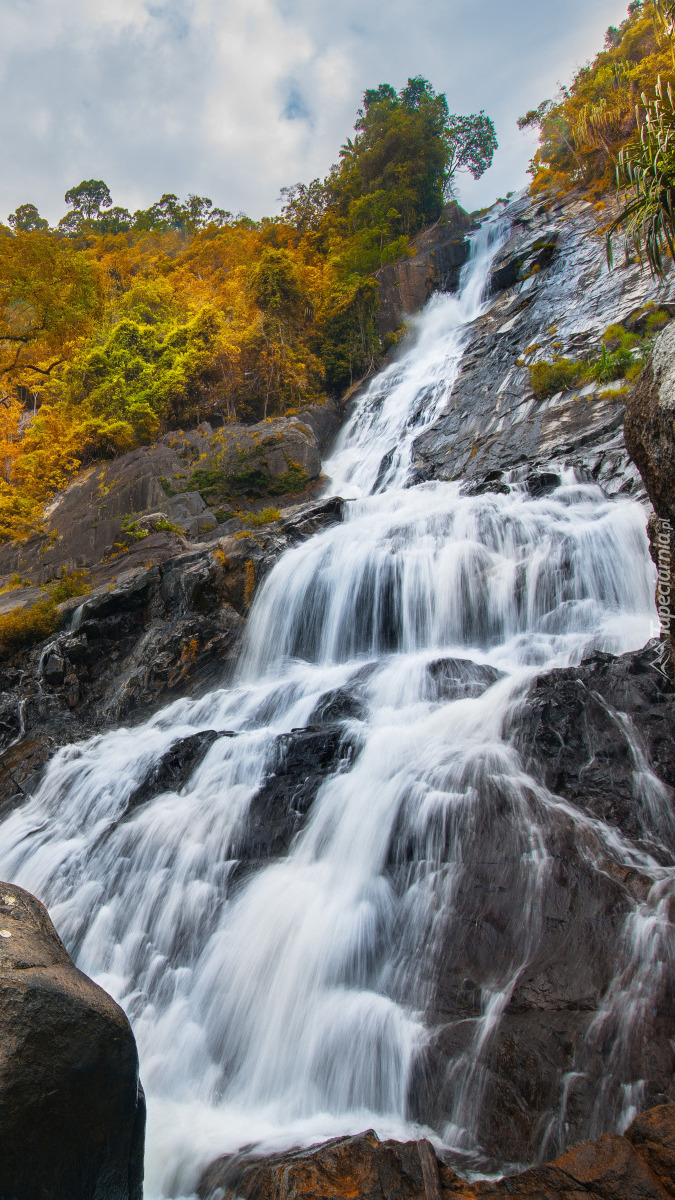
439, 255
53, 669
585, 731
554, 295
72, 1115
652, 1135
637, 1166
512, 266
155, 632
303, 759
175, 768
303, 522
454, 678
600, 737
650, 438
341, 1169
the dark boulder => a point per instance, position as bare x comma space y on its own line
345, 1168
584, 731
175, 767
302, 760
649, 430
638, 1166
514, 264
72, 1115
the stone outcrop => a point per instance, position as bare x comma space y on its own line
72, 1115
638, 1166
439, 253
156, 632
554, 296
360, 1166
650, 439
159, 498
599, 736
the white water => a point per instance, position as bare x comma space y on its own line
293, 1003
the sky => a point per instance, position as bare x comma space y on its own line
234, 99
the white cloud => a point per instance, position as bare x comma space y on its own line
235, 98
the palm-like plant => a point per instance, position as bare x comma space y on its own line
647, 169
665, 11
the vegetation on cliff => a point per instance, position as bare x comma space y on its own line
586, 126
614, 126
115, 326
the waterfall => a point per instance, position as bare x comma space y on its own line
283, 1001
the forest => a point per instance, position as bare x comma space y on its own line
115, 327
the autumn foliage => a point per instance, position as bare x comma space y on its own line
584, 129
115, 327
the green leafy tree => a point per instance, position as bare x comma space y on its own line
26, 219
169, 214
88, 198
305, 205
276, 286
471, 143
115, 220
346, 335
394, 175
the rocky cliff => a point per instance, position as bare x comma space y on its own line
173, 573
650, 440
637, 1166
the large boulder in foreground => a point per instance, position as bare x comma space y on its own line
72, 1115
649, 430
638, 1166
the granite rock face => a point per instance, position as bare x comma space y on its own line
156, 632
553, 295
158, 499
72, 1114
650, 439
360, 1166
439, 253
638, 1166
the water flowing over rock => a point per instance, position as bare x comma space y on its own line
553, 296
639, 1166
72, 1112
411, 866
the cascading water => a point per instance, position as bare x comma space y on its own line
295, 1001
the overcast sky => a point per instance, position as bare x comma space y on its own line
233, 99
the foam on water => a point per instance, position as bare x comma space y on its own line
291, 1003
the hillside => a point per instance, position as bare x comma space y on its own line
337, 715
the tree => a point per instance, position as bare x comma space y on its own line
408, 146
88, 198
115, 220
26, 219
169, 214
201, 213
276, 285
471, 143
305, 205
49, 297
